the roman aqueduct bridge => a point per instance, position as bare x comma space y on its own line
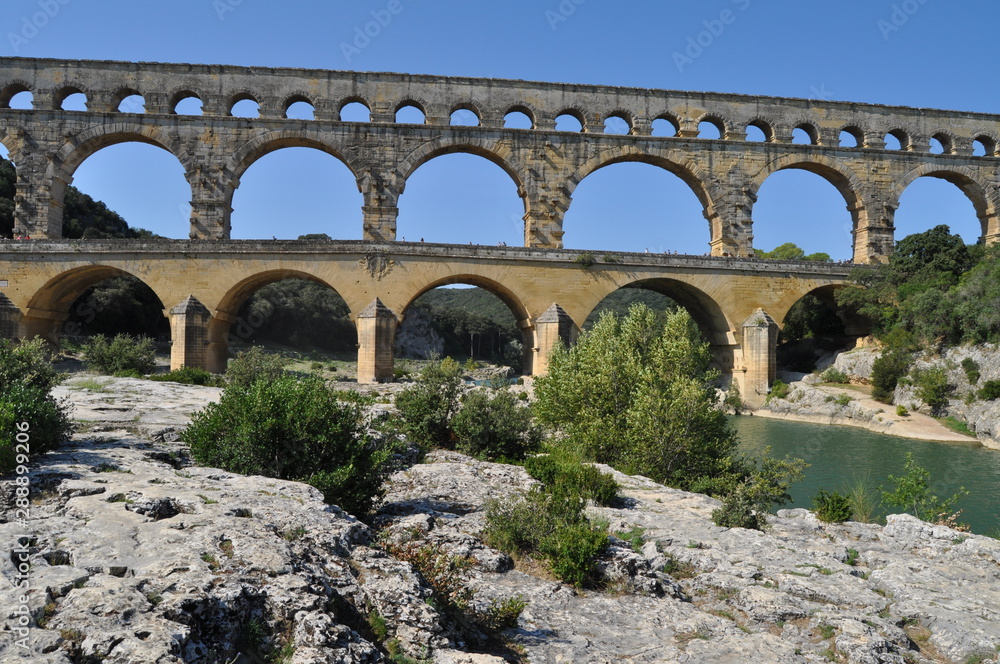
736, 299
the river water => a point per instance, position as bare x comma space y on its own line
840, 456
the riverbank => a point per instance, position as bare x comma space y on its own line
853, 406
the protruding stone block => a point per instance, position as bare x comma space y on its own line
189, 334
376, 331
760, 343
10, 318
552, 328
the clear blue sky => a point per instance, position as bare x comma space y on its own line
944, 55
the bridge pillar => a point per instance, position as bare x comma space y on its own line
376, 332
552, 328
189, 334
380, 210
760, 342
10, 319
45, 324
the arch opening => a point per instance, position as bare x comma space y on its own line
289, 312
477, 320
247, 107
410, 114
132, 103
940, 143
292, 189
805, 204
639, 205
518, 120
711, 129
570, 121
665, 127
984, 146
464, 116
617, 124
300, 108
462, 195
897, 139
757, 133
805, 134
852, 137
74, 100
355, 110
126, 188
945, 198
186, 103
815, 326
17, 96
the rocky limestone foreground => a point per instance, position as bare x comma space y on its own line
136, 556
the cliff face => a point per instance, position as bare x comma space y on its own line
136, 556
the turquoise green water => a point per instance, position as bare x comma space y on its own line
840, 455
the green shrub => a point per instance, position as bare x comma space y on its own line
123, 353
26, 378
254, 364
912, 492
971, 368
779, 390
750, 488
932, 387
188, 376
887, 369
833, 375
843, 399
428, 406
832, 507
293, 429
565, 475
990, 390
551, 526
901, 410
492, 425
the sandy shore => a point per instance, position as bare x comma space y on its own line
881, 418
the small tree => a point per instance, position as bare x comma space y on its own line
887, 369
933, 388
428, 406
911, 491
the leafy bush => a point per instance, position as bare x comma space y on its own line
120, 354
188, 376
932, 387
901, 410
492, 425
971, 369
750, 488
833, 375
779, 390
832, 507
551, 526
428, 406
887, 369
293, 429
843, 399
254, 364
26, 378
912, 492
990, 390
565, 475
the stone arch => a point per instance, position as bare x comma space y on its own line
469, 106
419, 104
947, 141
295, 98
11, 89
59, 293
178, 96
834, 171
521, 107
706, 312
716, 120
854, 324
577, 114
678, 163
621, 114
810, 129
123, 93
984, 197
71, 88
766, 126
352, 99
234, 295
83, 145
495, 151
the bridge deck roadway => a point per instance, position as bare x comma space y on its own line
44, 279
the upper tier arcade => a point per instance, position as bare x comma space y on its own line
48, 143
